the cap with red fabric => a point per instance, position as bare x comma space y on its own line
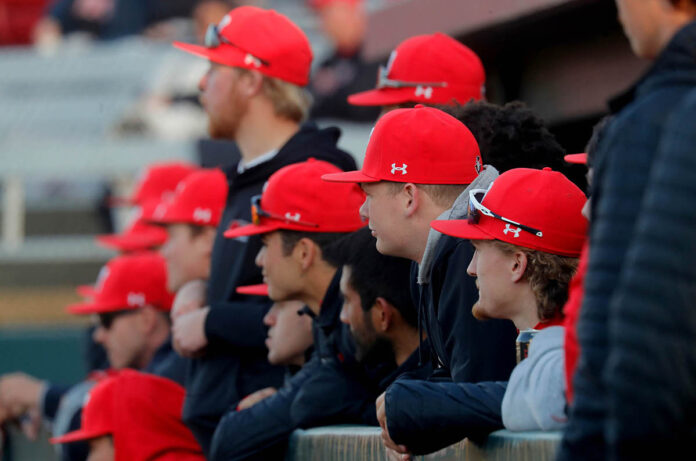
264, 40
431, 69
97, 414
318, 4
199, 199
421, 145
296, 198
580, 159
156, 182
142, 414
258, 290
129, 282
537, 209
140, 235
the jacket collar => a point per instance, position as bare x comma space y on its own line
331, 305
676, 63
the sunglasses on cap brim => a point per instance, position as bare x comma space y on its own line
213, 39
383, 81
106, 319
257, 213
476, 209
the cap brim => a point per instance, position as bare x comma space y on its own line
349, 176
580, 159
227, 55
92, 308
251, 229
129, 243
460, 228
86, 291
379, 97
78, 436
257, 290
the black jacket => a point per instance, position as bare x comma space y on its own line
466, 349
330, 389
235, 363
635, 382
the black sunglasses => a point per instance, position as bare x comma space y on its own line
106, 319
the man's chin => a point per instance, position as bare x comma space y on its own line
479, 313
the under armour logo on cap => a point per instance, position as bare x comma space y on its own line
202, 215
425, 91
250, 60
136, 299
293, 217
401, 168
515, 231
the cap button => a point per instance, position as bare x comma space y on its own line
419, 106
546, 168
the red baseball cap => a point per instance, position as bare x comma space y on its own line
199, 199
318, 4
295, 198
422, 146
97, 414
537, 209
432, 69
257, 290
129, 282
140, 235
142, 414
264, 40
157, 181
580, 159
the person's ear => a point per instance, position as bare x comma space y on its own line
411, 197
205, 240
382, 315
251, 83
147, 318
518, 265
305, 253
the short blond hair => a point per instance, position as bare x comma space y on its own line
548, 276
289, 101
443, 195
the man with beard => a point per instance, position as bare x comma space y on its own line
254, 95
378, 307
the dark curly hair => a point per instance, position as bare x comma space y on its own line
510, 136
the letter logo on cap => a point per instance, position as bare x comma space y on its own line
293, 217
425, 91
401, 168
135, 299
250, 60
159, 211
515, 231
202, 215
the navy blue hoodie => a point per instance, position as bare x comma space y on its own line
235, 364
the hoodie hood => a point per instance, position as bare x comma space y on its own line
459, 210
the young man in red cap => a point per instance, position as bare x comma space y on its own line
132, 304
191, 218
633, 397
301, 217
426, 69
528, 232
253, 94
156, 184
135, 417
